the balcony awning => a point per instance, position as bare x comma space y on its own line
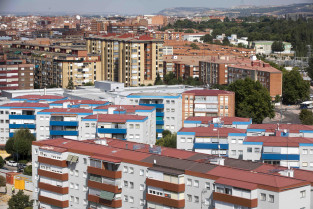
106, 195
74, 159
69, 158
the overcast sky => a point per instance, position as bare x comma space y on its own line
125, 6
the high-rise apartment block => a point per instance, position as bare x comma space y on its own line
128, 59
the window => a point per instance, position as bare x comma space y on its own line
271, 198
131, 126
131, 199
131, 184
196, 199
189, 197
125, 183
85, 160
76, 186
249, 149
182, 140
85, 174
72, 199
141, 202
233, 152
302, 194
125, 198
257, 150
304, 164
196, 183
76, 172
304, 151
142, 187
189, 181
141, 172
71, 185
233, 141
125, 169
131, 170
263, 197
207, 185
137, 126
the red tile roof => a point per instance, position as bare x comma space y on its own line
211, 131
25, 104
67, 110
75, 102
235, 183
116, 118
35, 97
128, 108
279, 141
292, 128
208, 92
226, 120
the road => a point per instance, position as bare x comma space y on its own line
290, 114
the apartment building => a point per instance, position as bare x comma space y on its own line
123, 27
107, 173
56, 64
97, 26
132, 60
140, 110
126, 127
215, 103
168, 109
268, 76
16, 76
225, 122
72, 103
60, 122
14, 116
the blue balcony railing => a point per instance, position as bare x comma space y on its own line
63, 123
16, 126
112, 130
63, 133
210, 146
270, 156
159, 114
11, 134
23, 117
158, 130
160, 122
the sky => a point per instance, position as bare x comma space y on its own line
125, 6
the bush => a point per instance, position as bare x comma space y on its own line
23, 161
1, 162
28, 170
2, 181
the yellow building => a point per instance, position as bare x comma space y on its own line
132, 60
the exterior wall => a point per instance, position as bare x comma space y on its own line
185, 141
306, 157
292, 198
4, 126
275, 84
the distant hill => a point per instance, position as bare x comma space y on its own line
304, 8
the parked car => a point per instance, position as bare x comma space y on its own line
4, 168
12, 163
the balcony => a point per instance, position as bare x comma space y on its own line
159, 114
63, 123
105, 173
152, 105
206, 101
210, 146
63, 133
11, 134
59, 163
23, 117
166, 185
17, 126
160, 122
271, 156
112, 204
103, 186
112, 130
250, 203
58, 176
165, 201
158, 130
54, 202
206, 110
52, 188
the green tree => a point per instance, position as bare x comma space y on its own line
20, 144
158, 80
207, 38
189, 31
166, 133
306, 117
1, 162
2, 181
89, 84
70, 84
310, 68
226, 41
252, 100
28, 170
295, 89
168, 140
278, 46
20, 201
194, 46
277, 98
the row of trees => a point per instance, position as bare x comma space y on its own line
263, 28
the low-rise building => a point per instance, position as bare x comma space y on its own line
265, 47
227, 122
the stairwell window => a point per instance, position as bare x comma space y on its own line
271, 198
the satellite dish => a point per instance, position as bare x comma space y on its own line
78, 17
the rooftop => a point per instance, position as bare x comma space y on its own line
25, 104
211, 131
224, 120
67, 110
116, 118
208, 92
36, 97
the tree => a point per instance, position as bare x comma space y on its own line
20, 201
252, 100
277, 98
295, 89
306, 117
2, 181
70, 84
169, 140
89, 84
278, 46
207, 38
28, 170
226, 41
310, 68
1, 162
194, 46
158, 80
20, 144
189, 31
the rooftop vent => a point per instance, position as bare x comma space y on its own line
217, 161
